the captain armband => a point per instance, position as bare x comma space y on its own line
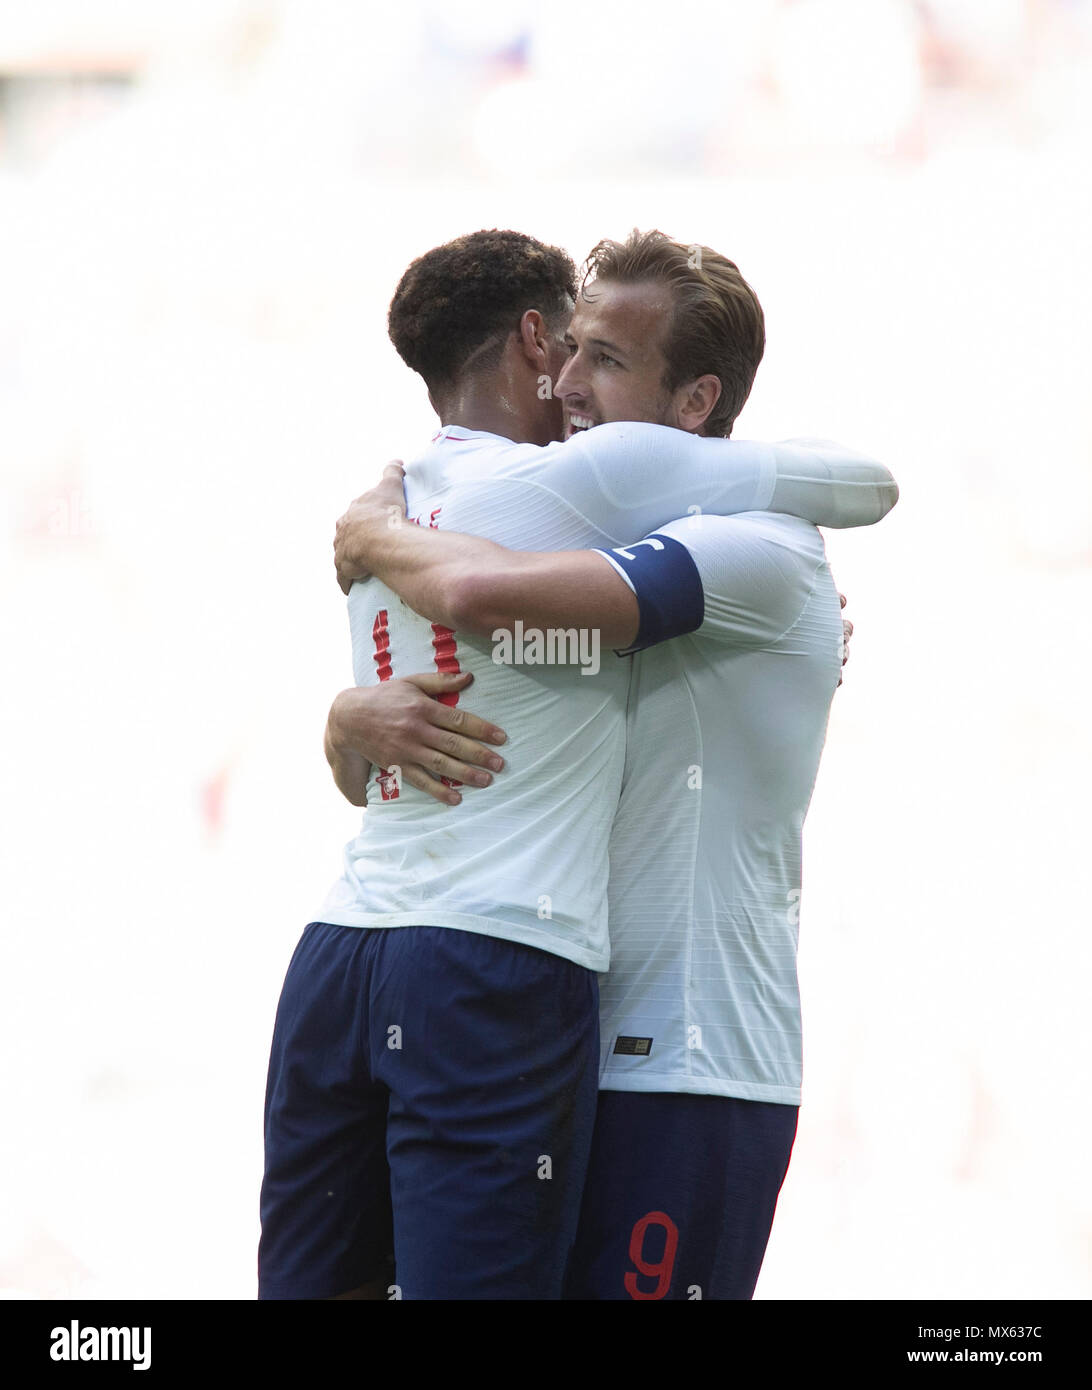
663, 575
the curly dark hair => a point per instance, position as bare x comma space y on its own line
717, 327
455, 299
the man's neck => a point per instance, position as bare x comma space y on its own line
492, 403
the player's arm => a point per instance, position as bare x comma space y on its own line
629, 479
741, 580
401, 724
474, 585
625, 479
351, 769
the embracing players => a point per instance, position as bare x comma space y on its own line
463, 1047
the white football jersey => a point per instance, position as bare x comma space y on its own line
725, 731
526, 858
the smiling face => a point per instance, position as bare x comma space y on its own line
663, 332
616, 367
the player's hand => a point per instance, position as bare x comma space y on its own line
847, 633
383, 506
400, 726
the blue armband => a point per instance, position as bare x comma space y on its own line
663, 575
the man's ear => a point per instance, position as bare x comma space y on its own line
695, 401
534, 339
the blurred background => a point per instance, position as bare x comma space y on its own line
204, 210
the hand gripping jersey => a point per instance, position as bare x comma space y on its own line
725, 731
526, 859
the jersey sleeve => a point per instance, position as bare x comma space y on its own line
741, 580
830, 485
627, 479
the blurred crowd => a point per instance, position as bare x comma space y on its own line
466, 89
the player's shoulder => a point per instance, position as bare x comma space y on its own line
455, 445
783, 535
628, 444
560, 466
457, 457
606, 440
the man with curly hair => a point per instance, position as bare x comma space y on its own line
453, 1062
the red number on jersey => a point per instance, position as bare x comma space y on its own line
388, 784
446, 659
661, 1269
382, 638
445, 647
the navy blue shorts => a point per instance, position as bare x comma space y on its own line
680, 1196
431, 1096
